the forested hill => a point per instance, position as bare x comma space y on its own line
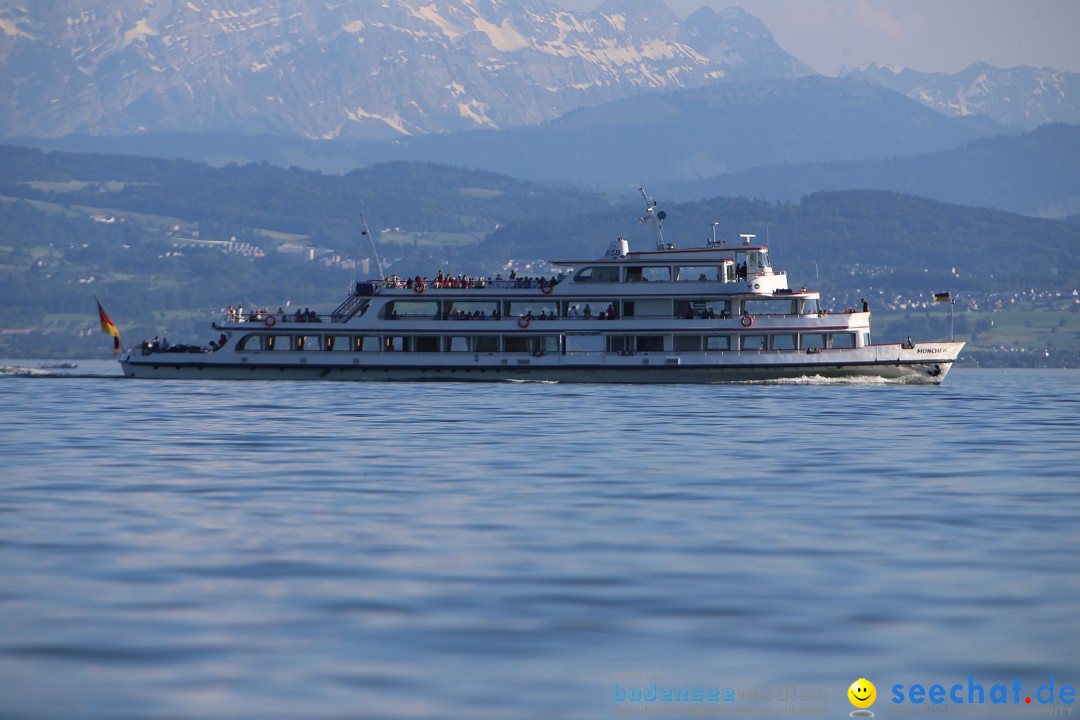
167, 242
888, 239
416, 196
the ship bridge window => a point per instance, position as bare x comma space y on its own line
699, 273
810, 306
757, 260
648, 273
598, 273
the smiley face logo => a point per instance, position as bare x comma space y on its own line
862, 693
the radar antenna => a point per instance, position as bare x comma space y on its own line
656, 218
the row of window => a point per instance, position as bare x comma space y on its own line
542, 307
533, 343
726, 271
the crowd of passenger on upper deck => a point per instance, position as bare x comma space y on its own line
466, 282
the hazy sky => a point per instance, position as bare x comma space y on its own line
927, 35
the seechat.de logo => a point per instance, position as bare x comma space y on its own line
973, 693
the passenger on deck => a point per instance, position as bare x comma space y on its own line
572, 313
588, 311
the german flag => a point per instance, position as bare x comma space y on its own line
941, 297
108, 326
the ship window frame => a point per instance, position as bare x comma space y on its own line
745, 337
647, 343
644, 272
833, 337
584, 275
769, 306
241, 344
277, 342
793, 337
307, 343
515, 343
707, 340
686, 343
390, 310
813, 341
697, 271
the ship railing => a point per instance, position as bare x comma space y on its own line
717, 315
347, 309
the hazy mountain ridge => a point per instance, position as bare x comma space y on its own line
689, 134
1033, 173
701, 132
353, 68
1023, 97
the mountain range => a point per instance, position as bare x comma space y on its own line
365, 70
1023, 97
353, 68
1033, 173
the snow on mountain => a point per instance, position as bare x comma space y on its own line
353, 68
1020, 96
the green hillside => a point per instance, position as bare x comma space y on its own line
166, 244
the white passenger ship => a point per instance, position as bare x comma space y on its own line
714, 314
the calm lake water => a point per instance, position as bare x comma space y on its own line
307, 550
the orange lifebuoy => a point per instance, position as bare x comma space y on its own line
747, 320
270, 321
418, 288
523, 322
546, 288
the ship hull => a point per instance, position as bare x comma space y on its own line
925, 363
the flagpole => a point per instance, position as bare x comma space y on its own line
952, 304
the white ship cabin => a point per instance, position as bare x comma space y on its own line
671, 301
741, 268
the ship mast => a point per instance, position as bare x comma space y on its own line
656, 218
378, 265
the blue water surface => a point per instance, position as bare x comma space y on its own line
527, 550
